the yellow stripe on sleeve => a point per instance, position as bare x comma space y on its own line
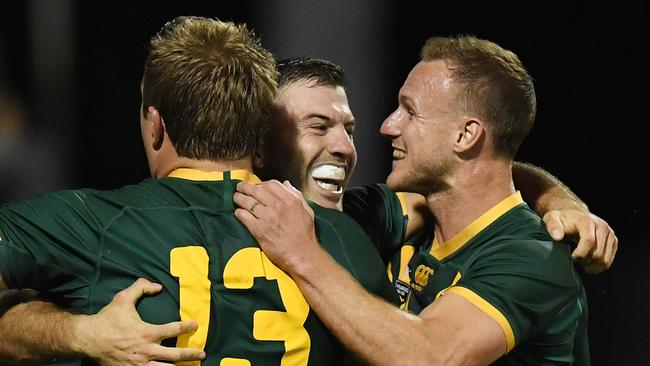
490, 310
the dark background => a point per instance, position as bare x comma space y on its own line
70, 70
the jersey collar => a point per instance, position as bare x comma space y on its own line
200, 175
459, 240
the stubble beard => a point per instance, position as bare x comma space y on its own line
424, 180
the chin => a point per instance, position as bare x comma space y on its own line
329, 204
394, 183
325, 202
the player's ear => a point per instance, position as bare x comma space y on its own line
470, 135
258, 159
157, 127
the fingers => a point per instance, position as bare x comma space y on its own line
248, 203
259, 192
174, 355
138, 289
602, 234
293, 189
175, 329
597, 243
611, 248
250, 221
602, 260
298, 195
554, 226
267, 198
284, 192
587, 244
268, 191
583, 249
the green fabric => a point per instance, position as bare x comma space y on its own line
379, 212
86, 245
515, 266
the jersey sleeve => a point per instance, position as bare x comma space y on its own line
522, 285
381, 213
347, 243
16, 269
56, 230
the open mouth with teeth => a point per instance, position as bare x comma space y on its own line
398, 154
329, 177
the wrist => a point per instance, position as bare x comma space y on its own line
559, 201
564, 205
311, 265
80, 327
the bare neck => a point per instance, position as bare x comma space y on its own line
165, 160
475, 188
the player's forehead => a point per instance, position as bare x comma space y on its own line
304, 98
427, 83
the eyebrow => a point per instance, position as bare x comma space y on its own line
317, 115
405, 99
327, 119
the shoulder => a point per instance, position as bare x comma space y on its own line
381, 213
348, 244
372, 195
532, 255
519, 240
147, 193
333, 221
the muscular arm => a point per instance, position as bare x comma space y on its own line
449, 331
563, 212
36, 331
542, 191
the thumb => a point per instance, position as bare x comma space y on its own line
291, 188
554, 225
298, 194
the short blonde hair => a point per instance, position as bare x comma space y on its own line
492, 82
213, 85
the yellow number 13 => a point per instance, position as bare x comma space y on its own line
190, 265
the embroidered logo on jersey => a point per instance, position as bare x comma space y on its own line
403, 289
421, 278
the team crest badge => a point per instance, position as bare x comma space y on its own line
421, 276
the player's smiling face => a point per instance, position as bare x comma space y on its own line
311, 141
423, 129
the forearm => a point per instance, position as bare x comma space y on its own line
378, 331
542, 191
449, 331
35, 331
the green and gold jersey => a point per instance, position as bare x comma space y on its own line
81, 247
507, 265
383, 216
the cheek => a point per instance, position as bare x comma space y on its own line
308, 147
